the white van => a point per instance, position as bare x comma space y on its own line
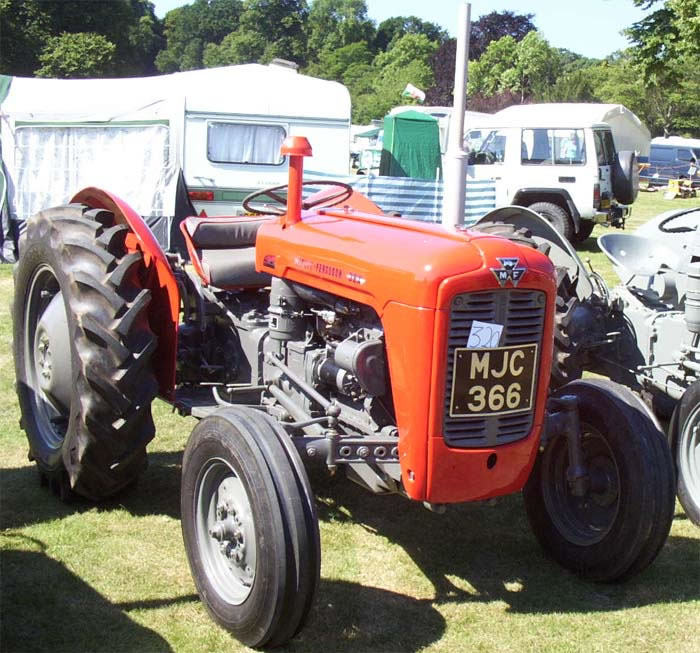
575, 164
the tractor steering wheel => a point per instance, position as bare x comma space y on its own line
663, 228
280, 207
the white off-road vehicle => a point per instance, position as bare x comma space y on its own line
574, 164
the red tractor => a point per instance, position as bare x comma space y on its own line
322, 332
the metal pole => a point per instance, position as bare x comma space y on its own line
455, 157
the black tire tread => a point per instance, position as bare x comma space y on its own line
115, 383
634, 542
279, 464
558, 216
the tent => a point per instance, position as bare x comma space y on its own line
411, 146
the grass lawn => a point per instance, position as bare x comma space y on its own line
394, 577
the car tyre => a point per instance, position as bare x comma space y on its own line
556, 216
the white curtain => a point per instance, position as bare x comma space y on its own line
131, 161
229, 142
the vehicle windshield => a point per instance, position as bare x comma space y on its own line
491, 149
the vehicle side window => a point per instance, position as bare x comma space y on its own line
560, 146
662, 153
599, 148
684, 155
491, 150
236, 142
610, 153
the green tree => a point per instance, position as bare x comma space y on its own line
28, 25
189, 29
266, 29
407, 62
620, 79
665, 54
333, 63
665, 37
535, 66
525, 67
78, 55
24, 28
334, 24
392, 29
488, 74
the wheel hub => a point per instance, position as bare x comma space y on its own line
226, 531
52, 353
689, 453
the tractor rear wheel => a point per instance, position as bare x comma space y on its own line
623, 519
82, 348
250, 527
686, 445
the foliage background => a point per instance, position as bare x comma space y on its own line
657, 76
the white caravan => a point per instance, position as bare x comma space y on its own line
221, 127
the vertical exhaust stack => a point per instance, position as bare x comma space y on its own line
455, 157
296, 148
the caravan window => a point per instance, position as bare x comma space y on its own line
130, 159
239, 142
553, 146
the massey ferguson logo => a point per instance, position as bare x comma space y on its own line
509, 271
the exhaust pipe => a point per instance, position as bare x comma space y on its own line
296, 148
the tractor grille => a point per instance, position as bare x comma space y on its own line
522, 313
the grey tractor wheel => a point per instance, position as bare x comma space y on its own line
249, 525
82, 347
556, 216
619, 525
686, 446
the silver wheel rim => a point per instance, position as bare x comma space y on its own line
225, 531
45, 354
689, 454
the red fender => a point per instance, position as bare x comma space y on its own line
164, 311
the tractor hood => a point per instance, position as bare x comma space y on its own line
377, 259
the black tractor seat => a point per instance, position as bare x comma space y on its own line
223, 250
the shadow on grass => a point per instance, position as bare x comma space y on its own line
45, 607
157, 492
588, 246
491, 551
352, 617
476, 553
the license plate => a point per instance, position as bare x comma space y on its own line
605, 204
493, 381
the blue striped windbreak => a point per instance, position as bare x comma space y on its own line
415, 199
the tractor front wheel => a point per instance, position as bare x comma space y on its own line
82, 348
617, 526
250, 527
